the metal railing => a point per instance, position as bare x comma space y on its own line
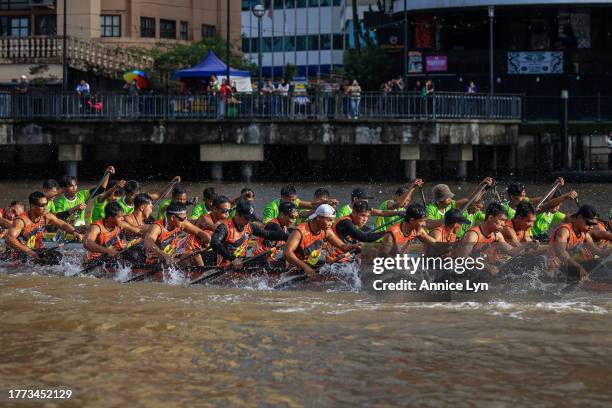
586, 108
254, 106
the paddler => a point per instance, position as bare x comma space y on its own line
443, 200
359, 194
568, 243
104, 235
486, 240
289, 193
7, 215
399, 237
287, 214
218, 212
50, 189
25, 236
474, 215
446, 235
143, 208
164, 239
518, 230
352, 229
113, 192
517, 194
403, 196
204, 207
74, 200
551, 215
132, 189
231, 237
179, 195
306, 243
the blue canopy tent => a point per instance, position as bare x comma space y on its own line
212, 65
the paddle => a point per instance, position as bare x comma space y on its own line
423, 196
221, 271
474, 197
550, 193
101, 261
575, 200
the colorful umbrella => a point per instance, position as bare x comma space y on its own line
138, 76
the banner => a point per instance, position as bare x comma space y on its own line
436, 63
415, 62
535, 62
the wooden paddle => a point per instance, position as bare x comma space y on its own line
223, 270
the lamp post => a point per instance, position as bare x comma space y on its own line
227, 47
405, 44
259, 11
65, 52
491, 68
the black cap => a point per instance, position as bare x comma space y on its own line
455, 216
287, 208
361, 194
586, 211
245, 209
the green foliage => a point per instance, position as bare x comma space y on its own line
171, 58
290, 71
370, 67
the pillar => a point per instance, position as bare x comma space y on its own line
246, 171
219, 153
216, 171
461, 154
409, 154
410, 170
316, 158
71, 154
462, 170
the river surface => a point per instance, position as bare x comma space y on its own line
160, 345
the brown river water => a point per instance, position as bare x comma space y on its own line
161, 345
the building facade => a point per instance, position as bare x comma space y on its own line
310, 34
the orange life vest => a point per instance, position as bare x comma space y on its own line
332, 252
32, 233
573, 246
263, 245
485, 246
441, 247
520, 235
236, 241
167, 241
401, 240
107, 239
311, 245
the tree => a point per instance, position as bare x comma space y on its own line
356, 27
370, 67
290, 71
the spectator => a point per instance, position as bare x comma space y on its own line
471, 88
225, 93
132, 88
418, 87
399, 84
283, 87
268, 88
214, 85
428, 89
83, 89
355, 93
283, 90
22, 87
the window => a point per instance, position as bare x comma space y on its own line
267, 44
325, 41
325, 3
147, 27
46, 25
247, 5
184, 34
110, 26
20, 26
300, 44
278, 44
245, 45
208, 31
254, 44
313, 3
167, 29
313, 42
289, 4
300, 3
337, 2
290, 43
337, 41
4, 26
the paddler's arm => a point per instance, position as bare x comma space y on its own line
387, 244
110, 170
601, 235
505, 246
588, 242
163, 192
333, 239
553, 202
192, 229
466, 245
537, 199
560, 248
405, 198
510, 236
386, 213
108, 193
218, 238
289, 253
206, 226
346, 227
12, 241
151, 246
270, 235
64, 226
126, 226
426, 238
463, 201
311, 205
4, 223
91, 245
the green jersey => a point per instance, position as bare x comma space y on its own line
474, 219
127, 209
271, 212
380, 221
433, 213
344, 211
97, 212
511, 212
544, 220
51, 207
161, 209
198, 210
64, 204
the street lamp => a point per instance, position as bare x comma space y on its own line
405, 44
491, 68
65, 52
259, 11
227, 47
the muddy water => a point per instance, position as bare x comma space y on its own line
150, 345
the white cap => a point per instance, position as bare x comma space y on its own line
24, 77
324, 210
